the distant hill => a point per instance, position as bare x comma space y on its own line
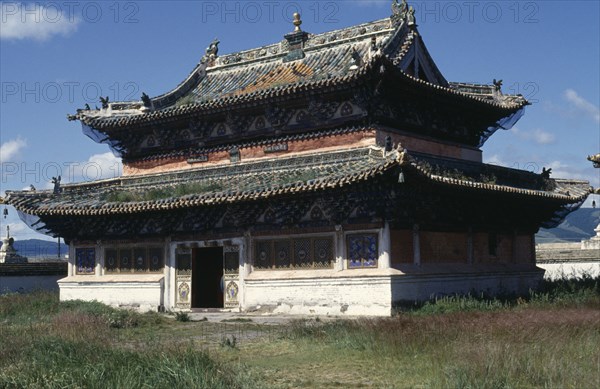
577, 226
32, 248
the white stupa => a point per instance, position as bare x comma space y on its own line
8, 254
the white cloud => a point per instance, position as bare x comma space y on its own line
582, 105
16, 228
97, 167
542, 137
494, 160
563, 170
35, 21
577, 169
11, 149
538, 135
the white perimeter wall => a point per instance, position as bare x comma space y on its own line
28, 283
570, 269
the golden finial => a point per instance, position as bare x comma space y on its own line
297, 22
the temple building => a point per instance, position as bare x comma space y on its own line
336, 173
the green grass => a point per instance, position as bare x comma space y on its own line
48, 344
548, 340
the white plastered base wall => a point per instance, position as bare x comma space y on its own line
143, 293
343, 293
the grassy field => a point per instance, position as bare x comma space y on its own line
549, 340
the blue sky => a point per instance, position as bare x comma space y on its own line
57, 56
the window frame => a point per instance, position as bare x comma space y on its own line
85, 250
364, 235
132, 251
292, 243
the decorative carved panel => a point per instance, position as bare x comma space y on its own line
183, 278
231, 276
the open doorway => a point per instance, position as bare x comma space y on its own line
207, 276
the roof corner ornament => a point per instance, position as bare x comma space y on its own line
399, 12
546, 173
296, 41
104, 101
57, 189
374, 44
595, 159
356, 60
146, 100
389, 144
211, 53
497, 85
410, 18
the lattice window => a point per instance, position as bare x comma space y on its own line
85, 259
263, 258
140, 260
111, 261
232, 262
134, 260
302, 253
282, 254
323, 252
125, 260
184, 262
362, 250
156, 263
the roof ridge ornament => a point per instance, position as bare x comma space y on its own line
399, 12
296, 41
212, 52
410, 17
146, 101
297, 22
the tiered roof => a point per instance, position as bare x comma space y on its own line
388, 53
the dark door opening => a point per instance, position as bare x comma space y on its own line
207, 276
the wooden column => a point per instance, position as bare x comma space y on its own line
470, 248
514, 247
246, 254
72, 259
385, 247
340, 248
416, 245
99, 270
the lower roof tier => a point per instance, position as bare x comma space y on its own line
284, 176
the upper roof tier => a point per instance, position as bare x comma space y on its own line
301, 62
